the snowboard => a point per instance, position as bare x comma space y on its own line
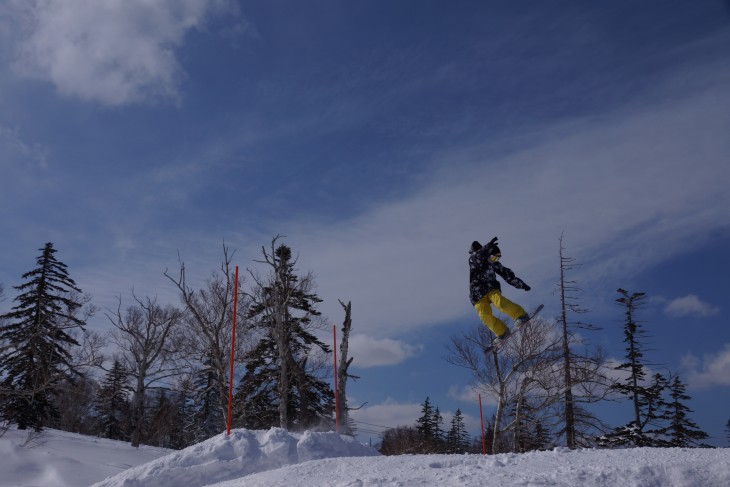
497, 345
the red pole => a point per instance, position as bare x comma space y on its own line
481, 418
233, 349
337, 406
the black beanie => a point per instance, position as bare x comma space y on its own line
474, 246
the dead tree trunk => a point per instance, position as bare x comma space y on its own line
342, 375
567, 379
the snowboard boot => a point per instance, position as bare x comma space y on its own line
502, 337
521, 321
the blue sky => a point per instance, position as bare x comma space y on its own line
381, 138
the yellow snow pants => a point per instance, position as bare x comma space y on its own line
504, 305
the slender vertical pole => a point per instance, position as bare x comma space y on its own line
233, 349
481, 418
337, 405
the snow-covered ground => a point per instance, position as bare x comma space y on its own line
61, 459
279, 458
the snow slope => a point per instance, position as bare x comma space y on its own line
559, 468
279, 458
62, 459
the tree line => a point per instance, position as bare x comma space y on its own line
161, 375
429, 436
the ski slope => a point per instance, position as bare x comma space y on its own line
279, 458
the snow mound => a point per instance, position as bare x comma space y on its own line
242, 453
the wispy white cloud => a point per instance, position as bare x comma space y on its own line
690, 305
629, 190
620, 188
14, 147
373, 352
710, 371
113, 52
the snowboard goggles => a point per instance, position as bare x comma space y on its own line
494, 258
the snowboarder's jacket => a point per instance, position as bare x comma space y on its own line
483, 274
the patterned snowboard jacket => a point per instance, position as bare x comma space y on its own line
483, 275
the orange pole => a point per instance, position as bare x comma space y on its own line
233, 349
337, 406
481, 418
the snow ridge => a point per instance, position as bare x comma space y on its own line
242, 453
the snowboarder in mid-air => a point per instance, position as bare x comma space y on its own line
485, 290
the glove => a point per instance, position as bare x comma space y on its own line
526, 288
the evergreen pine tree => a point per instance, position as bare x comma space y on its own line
428, 429
164, 422
112, 403
655, 409
681, 432
75, 401
439, 434
182, 436
646, 400
541, 437
457, 439
425, 426
525, 427
207, 418
279, 387
256, 400
39, 335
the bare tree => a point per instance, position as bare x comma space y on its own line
402, 440
208, 330
143, 333
521, 369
